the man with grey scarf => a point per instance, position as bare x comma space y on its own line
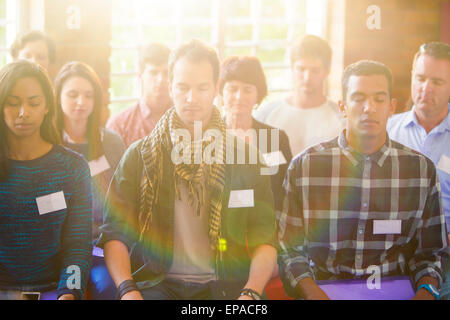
180, 224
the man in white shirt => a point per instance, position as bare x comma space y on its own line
306, 115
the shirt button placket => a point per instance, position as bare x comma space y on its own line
364, 212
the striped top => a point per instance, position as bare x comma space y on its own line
40, 250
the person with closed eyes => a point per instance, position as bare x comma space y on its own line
426, 127
45, 194
242, 87
79, 102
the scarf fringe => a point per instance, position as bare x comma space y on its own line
201, 178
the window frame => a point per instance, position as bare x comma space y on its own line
218, 22
11, 24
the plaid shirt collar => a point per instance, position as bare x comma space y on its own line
356, 157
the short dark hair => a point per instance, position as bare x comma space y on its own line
153, 53
311, 46
29, 36
9, 75
366, 68
83, 70
437, 50
246, 69
195, 50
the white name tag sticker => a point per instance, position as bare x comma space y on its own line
444, 164
99, 165
387, 226
241, 199
51, 202
273, 159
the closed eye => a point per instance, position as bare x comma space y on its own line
34, 102
13, 101
420, 78
357, 97
438, 82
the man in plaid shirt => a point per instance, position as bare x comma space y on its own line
362, 200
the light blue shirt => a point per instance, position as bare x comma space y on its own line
405, 129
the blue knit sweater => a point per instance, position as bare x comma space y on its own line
36, 249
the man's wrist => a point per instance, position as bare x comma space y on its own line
422, 293
426, 287
255, 285
132, 295
250, 293
127, 286
306, 288
428, 290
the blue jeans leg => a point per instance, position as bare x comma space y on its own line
101, 286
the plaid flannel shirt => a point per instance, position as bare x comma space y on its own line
333, 196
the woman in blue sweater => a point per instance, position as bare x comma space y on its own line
45, 192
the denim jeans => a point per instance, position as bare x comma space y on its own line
170, 289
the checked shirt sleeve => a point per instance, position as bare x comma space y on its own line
293, 256
431, 237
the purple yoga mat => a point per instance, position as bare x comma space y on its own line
391, 288
49, 295
97, 252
